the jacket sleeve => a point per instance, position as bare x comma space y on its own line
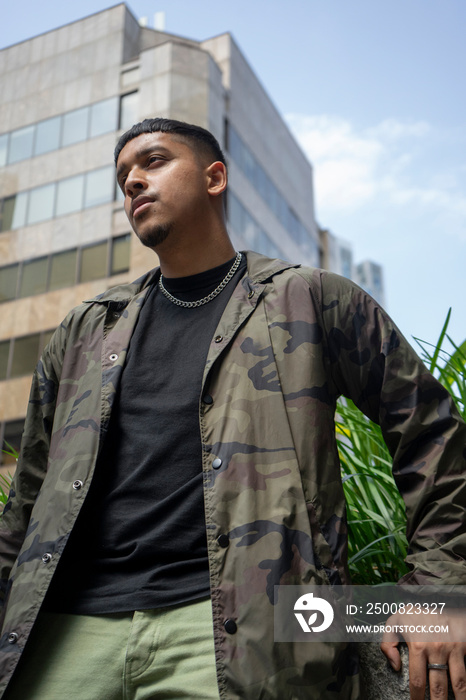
32, 462
372, 364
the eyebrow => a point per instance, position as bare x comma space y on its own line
141, 153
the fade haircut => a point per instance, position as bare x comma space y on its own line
203, 143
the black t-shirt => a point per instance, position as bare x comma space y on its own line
140, 540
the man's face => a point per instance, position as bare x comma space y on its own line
165, 186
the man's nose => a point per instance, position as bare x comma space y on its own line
135, 182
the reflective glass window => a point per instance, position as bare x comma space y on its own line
120, 254
70, 195
33, 277
12, 436
14, 211
129, 105
234, 145
251, 230
25, 355
41, 201
8, 282
104, 117
267, 246
63, 269
100, 187
93, 262
249, 164
46, 336
262, 184
21, 143
4, 352
47, 136
75, 126
236, 214
3, 149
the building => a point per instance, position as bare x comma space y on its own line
337, 256
67, 95
369, 276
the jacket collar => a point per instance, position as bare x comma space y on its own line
260, 270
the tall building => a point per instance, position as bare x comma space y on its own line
337, 256
66, 96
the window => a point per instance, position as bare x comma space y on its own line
255, 173
70, 195
8, 282
14, 211
60, 269
21, 142
93, 262
4, 354
25, 355
100, 187
12, 434
56, 199
34, 277
19, 356
41, 201
46, 336
75, 126
129, 105
63, 269
120, 254
104, 117
3, 149
244, 224
66, 129
47, 136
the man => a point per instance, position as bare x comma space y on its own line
181, 429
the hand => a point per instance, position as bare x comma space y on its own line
430, 648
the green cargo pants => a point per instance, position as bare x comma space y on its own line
152, 654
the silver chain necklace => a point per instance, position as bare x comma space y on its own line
209, 297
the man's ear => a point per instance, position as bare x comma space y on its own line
217, 178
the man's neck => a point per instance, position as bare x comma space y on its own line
191, 260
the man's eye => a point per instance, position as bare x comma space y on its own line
154, 159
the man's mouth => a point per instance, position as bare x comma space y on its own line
140, 204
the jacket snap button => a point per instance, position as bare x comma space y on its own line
46, 558
230, 626
251, 294
217, 463
78, 484
218, 338
12, 638
113, 357
208, 400
223, 541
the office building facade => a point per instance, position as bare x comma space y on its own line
66, 97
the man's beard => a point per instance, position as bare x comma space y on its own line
155, 236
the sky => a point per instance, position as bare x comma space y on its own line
375, 94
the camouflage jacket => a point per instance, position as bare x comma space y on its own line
290, 342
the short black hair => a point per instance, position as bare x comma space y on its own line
201, 140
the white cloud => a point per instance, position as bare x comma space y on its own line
378, 165
393, 130
344, 161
